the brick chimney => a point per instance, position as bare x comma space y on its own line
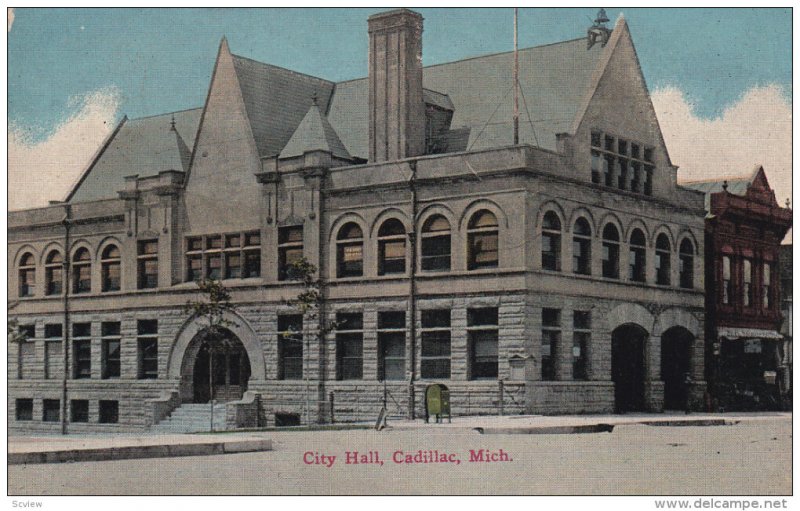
396, 107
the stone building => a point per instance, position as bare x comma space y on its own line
748, 354
561, 274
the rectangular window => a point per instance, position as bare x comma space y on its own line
597, 166
290, 347
82, 351
482, 325
147, 264
51, 410
109, 412
610, 260
392, 345
551, 336
483, 250
435, 336
110, 357
290, 250
148, 349
766, 286
24, 409
27, 351
349, 346
581, 336
747, 288
252, 255
608, 170
622, 177
79, 410
727, 290
53, 354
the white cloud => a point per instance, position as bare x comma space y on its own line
10, 16
42, 171
756, 130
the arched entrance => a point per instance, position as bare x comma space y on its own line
676, 354
215, 366
627, 367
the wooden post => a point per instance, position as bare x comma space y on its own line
330, 399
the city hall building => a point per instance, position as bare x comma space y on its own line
560, 272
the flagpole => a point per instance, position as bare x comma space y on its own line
516, 80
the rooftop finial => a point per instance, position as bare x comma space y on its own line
314, 98
601, 19
725, 185
788, 203
172, 123
598, 32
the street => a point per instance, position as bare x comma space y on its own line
749, 458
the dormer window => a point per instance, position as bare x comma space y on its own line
621, 163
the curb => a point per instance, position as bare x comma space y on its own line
139, 452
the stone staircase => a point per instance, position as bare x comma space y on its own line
191, 418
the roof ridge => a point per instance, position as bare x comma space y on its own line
480, 57
281, 68
165, 113
715, 180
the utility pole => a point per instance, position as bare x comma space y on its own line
516, 80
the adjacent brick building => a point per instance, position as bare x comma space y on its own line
563, 274
748, 353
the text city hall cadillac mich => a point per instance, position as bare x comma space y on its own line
529, 266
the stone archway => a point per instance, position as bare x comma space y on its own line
628, 369
215, 366
185, 349
676, 357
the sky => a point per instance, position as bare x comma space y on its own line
720, 79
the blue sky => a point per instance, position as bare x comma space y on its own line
161, 59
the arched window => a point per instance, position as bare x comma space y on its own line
350, 251
582, 247
662, 260
482, 240
81, 272
638, 257
27, 275
110, 269
610, 251
391, 247
551, 242
686, 264
435, 247
53, 273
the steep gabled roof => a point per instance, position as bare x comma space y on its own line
143, 146
554, 79
314, 133
276, 100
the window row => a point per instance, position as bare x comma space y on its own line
555, 349
108, 410
81, 270
228, 256
81, 353
747, 283
435, 246
611, 247
621, 163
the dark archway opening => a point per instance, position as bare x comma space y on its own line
627, 367
676, 355
221, 368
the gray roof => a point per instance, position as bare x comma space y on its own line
554, 79
143, 146
276, 100
736, 185
314, 133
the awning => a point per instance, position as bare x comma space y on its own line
747, 333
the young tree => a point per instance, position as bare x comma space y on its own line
14, 332
308, 302
210, 309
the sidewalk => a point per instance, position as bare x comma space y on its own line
56, 449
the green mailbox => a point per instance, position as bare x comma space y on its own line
437, 402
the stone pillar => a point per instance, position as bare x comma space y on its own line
653, 386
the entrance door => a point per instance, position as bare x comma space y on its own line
227, 369
627, 367
676, 346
